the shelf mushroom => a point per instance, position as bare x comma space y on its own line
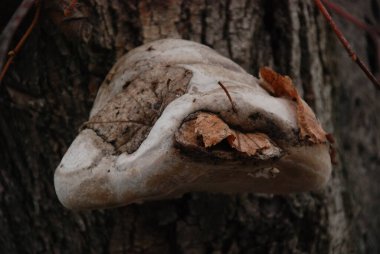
174, 116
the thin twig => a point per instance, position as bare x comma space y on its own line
11, 28
228, 95
346, 15
346, 44
19, 45
372, 31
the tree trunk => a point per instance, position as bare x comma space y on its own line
48, 92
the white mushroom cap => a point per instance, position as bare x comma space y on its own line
94, 173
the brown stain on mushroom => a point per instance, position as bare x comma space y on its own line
126, 120
91, 193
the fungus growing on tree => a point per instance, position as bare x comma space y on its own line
173, 116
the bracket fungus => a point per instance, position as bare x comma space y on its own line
174, 116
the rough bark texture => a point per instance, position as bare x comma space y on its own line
48, 93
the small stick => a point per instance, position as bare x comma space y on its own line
373, 31
346, 44
13, 52
343, 13
11, 28
228, 95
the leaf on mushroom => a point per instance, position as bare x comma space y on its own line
282, 86
212, 130
252, 143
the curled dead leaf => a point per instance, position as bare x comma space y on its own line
282, 86
252, 144
310, 128
278, 85
212, 131
211, 128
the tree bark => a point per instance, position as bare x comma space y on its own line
48, 92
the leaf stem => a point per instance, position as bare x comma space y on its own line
228, 95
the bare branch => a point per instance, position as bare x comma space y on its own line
11, 28
354, 20
346, 44
19, 45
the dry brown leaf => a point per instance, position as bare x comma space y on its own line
278, 85
186, 134
214, 130
282, 86
310, 128
211, 128
251, 143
